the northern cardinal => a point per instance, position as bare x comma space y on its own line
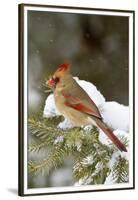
75, 104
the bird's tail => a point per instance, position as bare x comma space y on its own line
111, 135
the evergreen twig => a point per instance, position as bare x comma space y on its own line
90, 156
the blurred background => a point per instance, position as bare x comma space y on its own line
97, 49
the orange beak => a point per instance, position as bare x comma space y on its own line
51, 82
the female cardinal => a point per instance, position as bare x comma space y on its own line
75, 104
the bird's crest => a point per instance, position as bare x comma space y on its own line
63, 67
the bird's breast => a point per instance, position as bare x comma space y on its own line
76, 117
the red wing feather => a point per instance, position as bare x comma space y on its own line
76, 103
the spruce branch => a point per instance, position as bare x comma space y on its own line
44, 133
91, 157
37, 145
94, 165
120, 170
54, 159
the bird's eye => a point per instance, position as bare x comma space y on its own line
56, 79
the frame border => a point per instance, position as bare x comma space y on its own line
21, 98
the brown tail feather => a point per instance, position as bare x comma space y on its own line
110, 134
